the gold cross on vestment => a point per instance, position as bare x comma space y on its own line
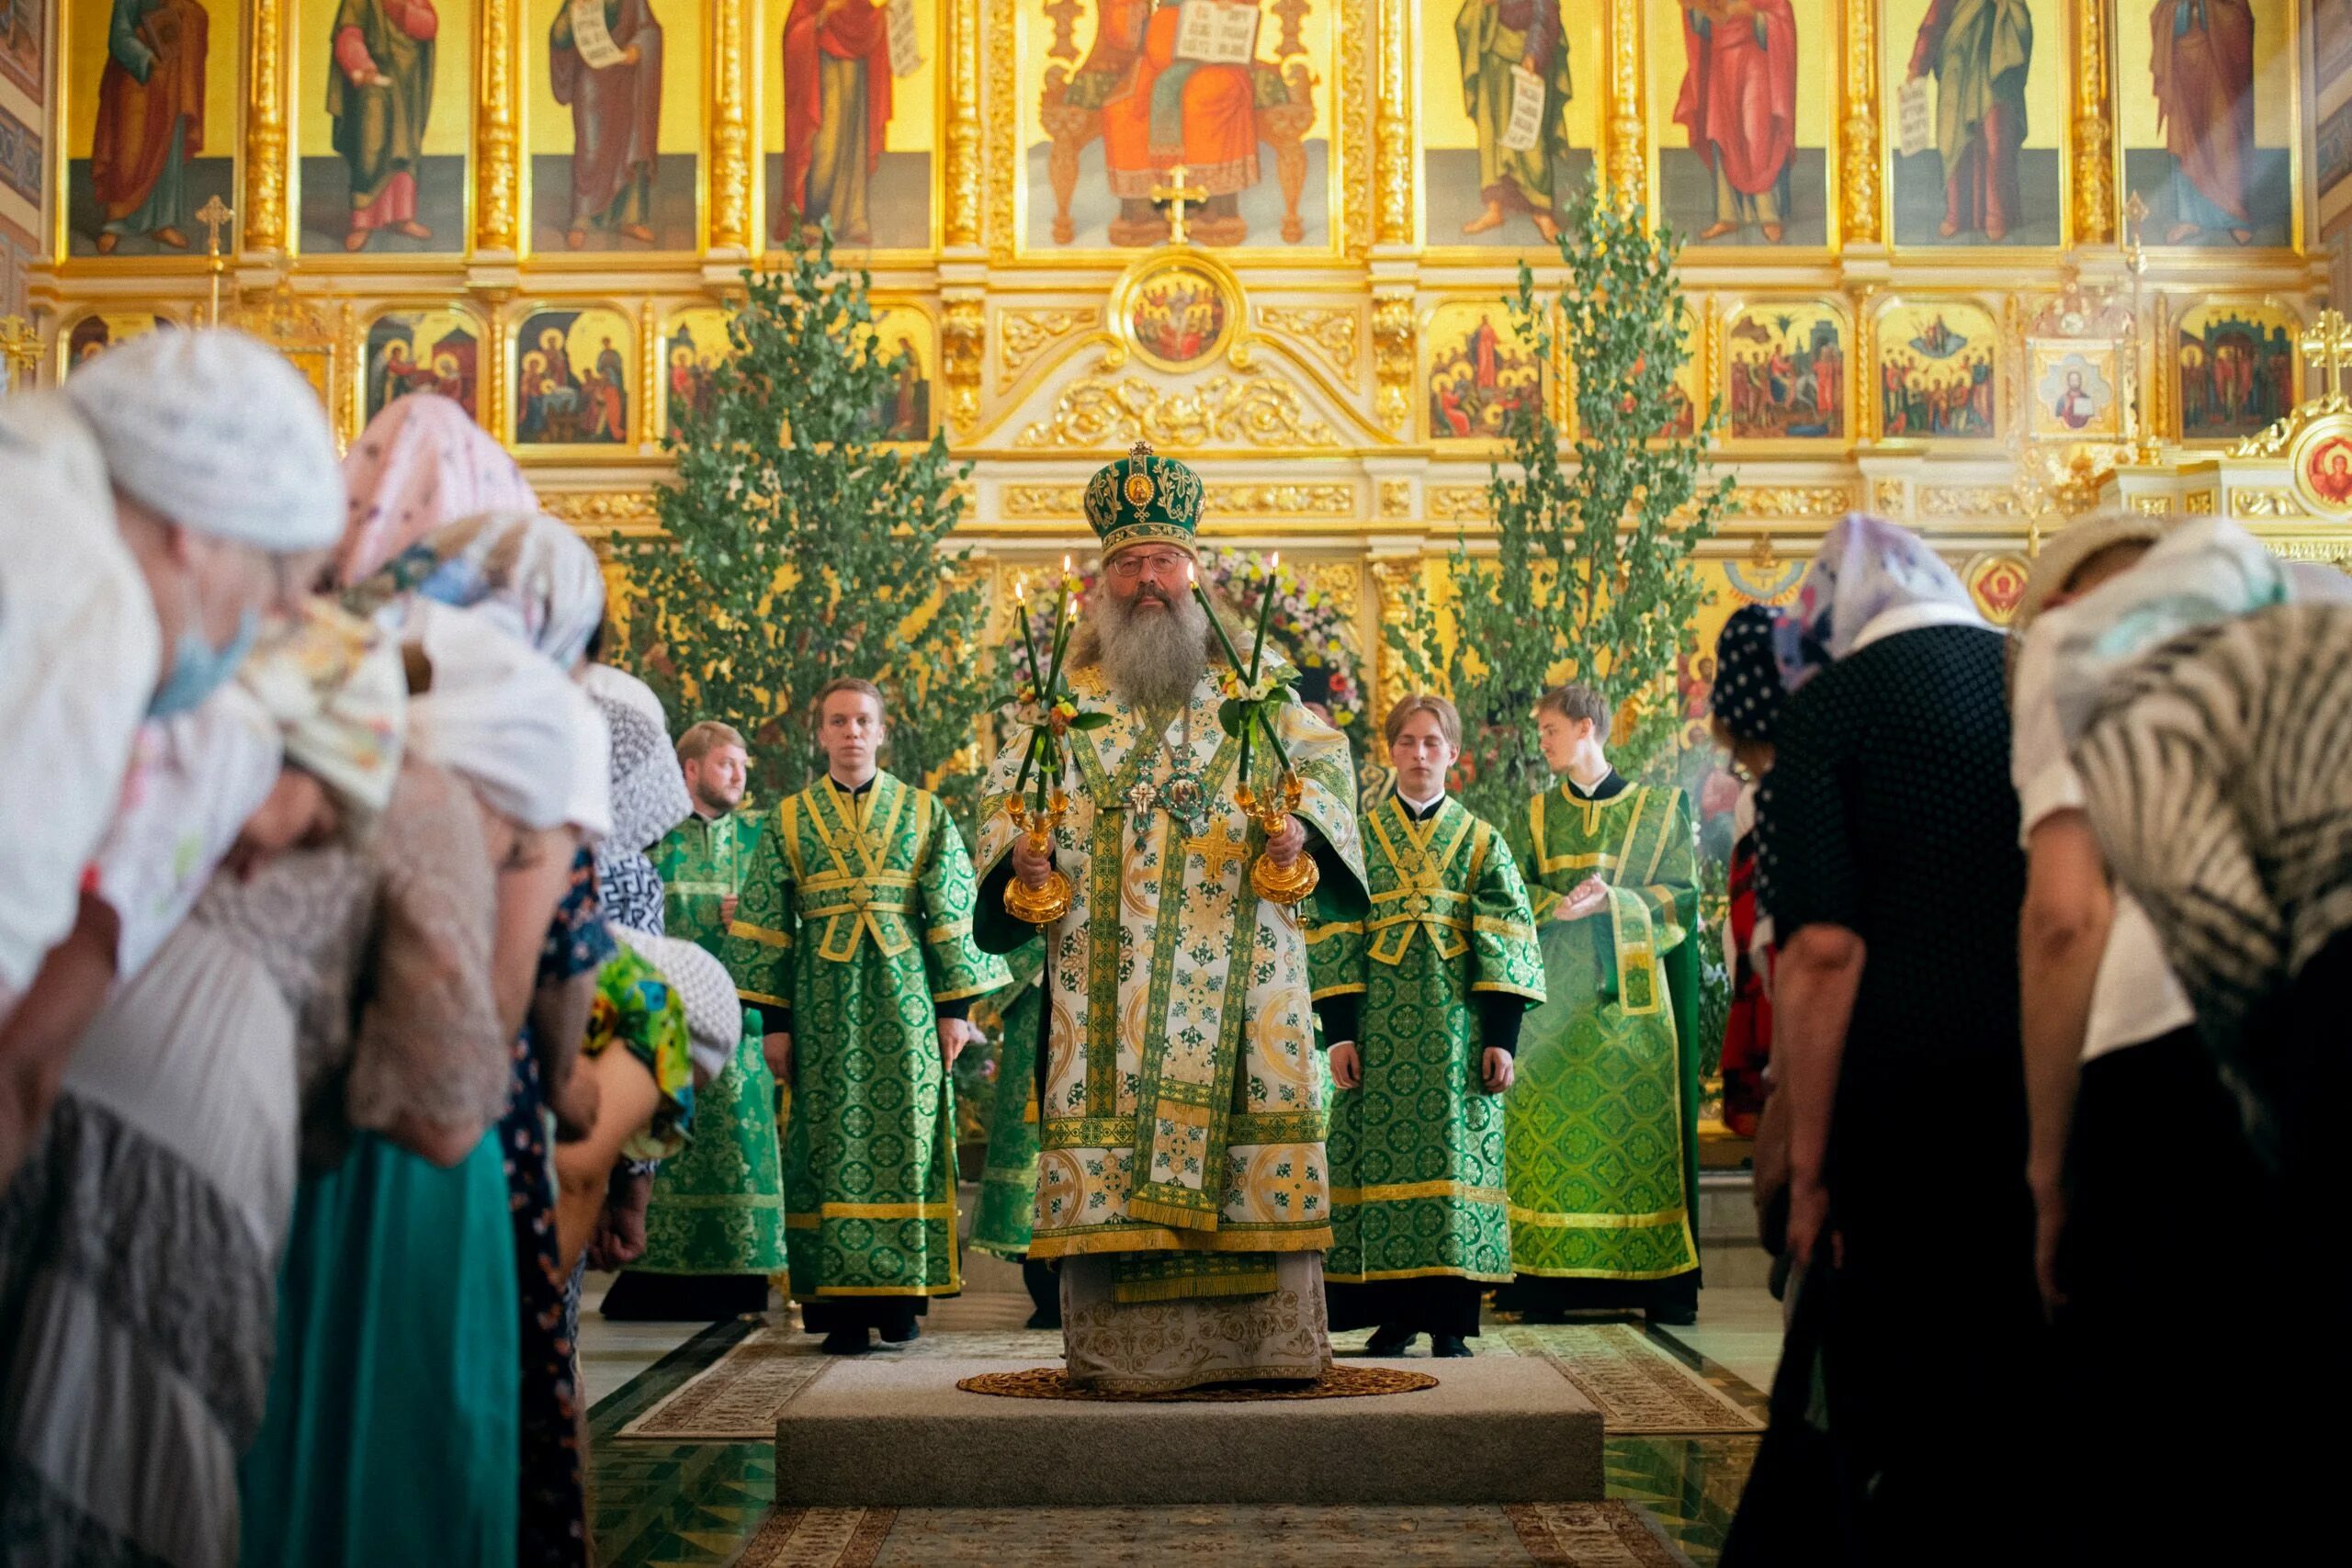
1176, 194
2327, 349
1218, 847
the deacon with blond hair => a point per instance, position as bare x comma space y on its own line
702, 1245
854, 939
1422, 999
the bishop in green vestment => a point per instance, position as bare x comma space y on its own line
1422, 999
714, 1226
1181, 1178
1601, 1133
855, 933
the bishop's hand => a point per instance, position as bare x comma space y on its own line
1030, 863
1284, 848
1346, 1064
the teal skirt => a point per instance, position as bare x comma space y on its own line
391, 1430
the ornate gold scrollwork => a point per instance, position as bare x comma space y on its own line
1097, 413
1392, 359
1022, 334
266, 144
1331, 329
730, 134
963, 340
1857, 128
498, 148
2094, 136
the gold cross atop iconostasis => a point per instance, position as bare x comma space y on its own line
1176, 194
2326, 346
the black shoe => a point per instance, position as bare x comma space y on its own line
1044, 1318
1681, 1314
1388, 1342
1448, 1345
892, 1335
845, 1342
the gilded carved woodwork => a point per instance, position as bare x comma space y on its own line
2266, 503
1627, 132
498, 148
2197, 503
1778, 502
1352, 112
1104, 413
1331, 330
730, 130
963, 344
1397, 582
1460, 503
266, 144
635, 512
1889, 498
1858, 157
1392, 359
961, 144
1221, 502
1969, 501
2093, 114
1022, 333
1393, 129
1395, 499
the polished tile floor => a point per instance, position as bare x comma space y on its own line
696, 1505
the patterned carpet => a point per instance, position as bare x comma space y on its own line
1554, 1535
1640, 1386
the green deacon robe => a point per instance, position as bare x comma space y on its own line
1181, 1129
379, 131
718, 1208
1417, 1151
1601, 1126
1001, 1219
857, 918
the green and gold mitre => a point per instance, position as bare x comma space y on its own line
1144, 500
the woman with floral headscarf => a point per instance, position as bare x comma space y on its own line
1888, 847
421, 464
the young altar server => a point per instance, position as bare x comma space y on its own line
855, 925
1422, 1000
1602, 1133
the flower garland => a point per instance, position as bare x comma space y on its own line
1308, 627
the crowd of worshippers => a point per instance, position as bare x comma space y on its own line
2043, 945
373, 964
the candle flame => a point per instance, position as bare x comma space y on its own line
1065, 563
1275, 562
1020, 592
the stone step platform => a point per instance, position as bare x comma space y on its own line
883, 1432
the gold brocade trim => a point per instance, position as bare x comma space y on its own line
966, 991
1354, 989
951, 929
1501, 988
766, 936
1299, 1237
764, 999
1408, 1192
835, 1292
885, 1211
1495, 926
1607, 1273
1375, 1276
1544, 1219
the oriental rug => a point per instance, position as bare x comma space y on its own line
1640, 1386
1212, 1535
1343, 1380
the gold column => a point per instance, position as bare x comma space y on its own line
351, 415
648, 369
498, 147
1628, 160
730, 134
265, 153
961, 145
2094, 137
1858, 156
1397, 582
962, 345
497, 384
1392, 359
1393, 130
2163, 363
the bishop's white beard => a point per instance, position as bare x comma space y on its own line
1153, 658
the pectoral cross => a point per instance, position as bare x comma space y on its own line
2327, 349
1218, 847
213, 215
1176, 194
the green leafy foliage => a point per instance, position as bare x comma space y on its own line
800, 544
1592, 576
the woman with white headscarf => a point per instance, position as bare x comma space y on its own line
157, 507
533, 579
1888, 862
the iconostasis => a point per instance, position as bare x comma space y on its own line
1951, 260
